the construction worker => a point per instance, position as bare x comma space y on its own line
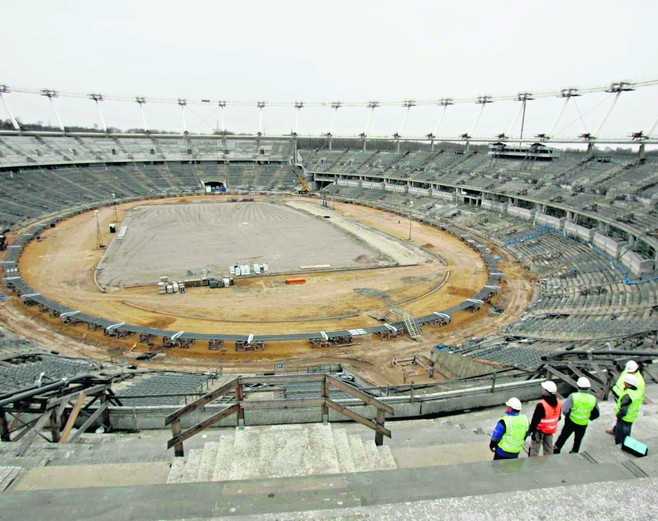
510, 432
627, 408
545, 419
631, 368
617, 389
578, 409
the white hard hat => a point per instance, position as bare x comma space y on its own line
631, 366
514, 403
631, 380
549, 386
584, 383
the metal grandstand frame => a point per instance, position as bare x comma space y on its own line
615, 89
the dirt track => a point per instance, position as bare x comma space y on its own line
62, 265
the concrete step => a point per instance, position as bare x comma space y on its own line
207, 464
373, 455
359, 456
177, 471
301, 494
224, 458
8, 475
192, 463
343, 452
386, 457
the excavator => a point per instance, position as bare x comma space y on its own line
304, 188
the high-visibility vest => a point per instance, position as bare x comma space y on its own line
634, 408
516, 428
582, 406
548, 424
618, 388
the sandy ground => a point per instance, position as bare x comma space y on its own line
186, 241
61, 266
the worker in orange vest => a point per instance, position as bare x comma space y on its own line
545, 419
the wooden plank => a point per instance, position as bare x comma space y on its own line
224, 413
89, 422
381, 418
33, 432
72, 417
366, 398
176, 429
562, 376
283, 404
5, 434
325, 396
88, 392
204, 400
358, 418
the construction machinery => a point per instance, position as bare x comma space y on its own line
304, 188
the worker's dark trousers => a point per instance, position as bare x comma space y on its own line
622, 429
571, 428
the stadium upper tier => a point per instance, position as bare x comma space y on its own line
610, 201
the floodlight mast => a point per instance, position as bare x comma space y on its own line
140, 101
481, 100
183, 103
445, 103
615, 88
567, 94
335, 105
372, 105
52, 94
97, 99
261, 106
523, 97
298, 105
4, 90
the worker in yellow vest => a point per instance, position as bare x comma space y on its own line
618, 388
509, 435
579, 409
544, 420
631, 368
628, 408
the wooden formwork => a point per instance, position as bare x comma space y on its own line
414, 366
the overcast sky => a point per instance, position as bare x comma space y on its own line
326, 51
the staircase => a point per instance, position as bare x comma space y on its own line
281, 451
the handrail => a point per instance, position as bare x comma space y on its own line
240, 404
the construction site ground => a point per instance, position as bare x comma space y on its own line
62, 263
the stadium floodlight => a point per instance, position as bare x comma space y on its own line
484, 101
407, 104
4, 90
222, 105
52, 94
335, 105
141, 101
502, 137
298, 105
97, 99
523, 97
372, 105
569, 92
445, 103
615, 88
182, 104
620, 86
542, 137
261, 106
638, 136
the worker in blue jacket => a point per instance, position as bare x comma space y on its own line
509, 435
